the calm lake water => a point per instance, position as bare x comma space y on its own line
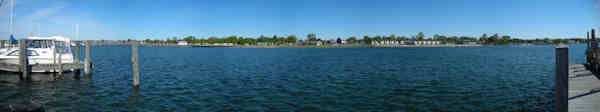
492, 78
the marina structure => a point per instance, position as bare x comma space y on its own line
37, 54
40, 51
44, 55
578, 85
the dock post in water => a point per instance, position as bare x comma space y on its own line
76, 52
134, 59
77, 72
587, 37
54, 56
562, 78
60, 66
23, 62
87, 66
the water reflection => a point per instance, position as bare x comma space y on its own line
134, 98
357, 79
37, 89
15, 77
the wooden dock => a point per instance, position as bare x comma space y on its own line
67, 67
583, 80
26, 68
584, 89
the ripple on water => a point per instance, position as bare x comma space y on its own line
348, 79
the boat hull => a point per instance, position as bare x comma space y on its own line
11, 64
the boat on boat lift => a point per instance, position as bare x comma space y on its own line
40, 51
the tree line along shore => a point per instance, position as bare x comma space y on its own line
313, 40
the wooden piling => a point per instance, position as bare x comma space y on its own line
562, 78
60, 66
134, 59
593, 47
594, 41
23, 62
76, 52
87, 66
587, 37
54, 56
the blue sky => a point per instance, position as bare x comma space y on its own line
159, 19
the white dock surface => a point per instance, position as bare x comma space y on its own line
584, 90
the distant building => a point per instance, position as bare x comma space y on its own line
571, 42
261, 43
427, 42
471, 43
182, 43
317, 43
331, 42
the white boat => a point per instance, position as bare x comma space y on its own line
40, 51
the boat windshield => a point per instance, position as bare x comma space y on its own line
49, 44
29, 53
66, 47
40, 43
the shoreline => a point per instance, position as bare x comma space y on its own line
341, 46
322, 46
357, 46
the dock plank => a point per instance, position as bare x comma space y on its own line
42, 67
584, 90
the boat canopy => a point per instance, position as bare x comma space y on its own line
57, 38
57, 42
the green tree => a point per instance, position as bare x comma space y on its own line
261, 38
414, 38
275, 39
212, 40
505, 39
494, 38
437, 37
378, 38
367, 39
402, 38
420, 36
391, 37
443, 38
312, 37
483, 38
557, 41
172, 40
453, 38
189, 39
291, 39
351, 39
230, 39
547, 40
156, 41
251, 40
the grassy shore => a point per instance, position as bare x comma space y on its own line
356, 45
333, 45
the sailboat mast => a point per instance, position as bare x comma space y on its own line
77, 31
12, 16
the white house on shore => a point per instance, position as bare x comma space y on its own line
394, 42
183, 43
427, 42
